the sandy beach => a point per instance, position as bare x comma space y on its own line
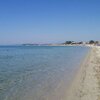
86, 85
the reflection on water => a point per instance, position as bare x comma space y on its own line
38, 72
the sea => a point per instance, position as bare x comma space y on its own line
38, 72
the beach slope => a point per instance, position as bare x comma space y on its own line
86, 85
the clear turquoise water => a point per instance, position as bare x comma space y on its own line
37, 72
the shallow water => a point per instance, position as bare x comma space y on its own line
37, 72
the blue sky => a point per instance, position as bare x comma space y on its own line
49, 21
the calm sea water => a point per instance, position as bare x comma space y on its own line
37, 72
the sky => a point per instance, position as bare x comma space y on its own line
49, 21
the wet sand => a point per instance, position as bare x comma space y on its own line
86, 85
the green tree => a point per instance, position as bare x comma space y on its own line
91, 42
68, 42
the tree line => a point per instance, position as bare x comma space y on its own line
89, 42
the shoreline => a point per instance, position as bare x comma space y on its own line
86, 84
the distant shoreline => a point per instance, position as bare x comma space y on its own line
82, 45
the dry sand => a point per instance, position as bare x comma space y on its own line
86, 85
